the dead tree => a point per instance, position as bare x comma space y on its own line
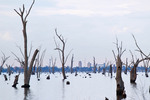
39, 63
133, 74
94, 65
104, 68
53, 64
99, 69
126, 66
120, 89
3, 60
8, 70
146, 65
110, 70
5, 77
61, 51
72, 63
16, 81
27, 71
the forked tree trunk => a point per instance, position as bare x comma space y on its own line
61, 51
27, 73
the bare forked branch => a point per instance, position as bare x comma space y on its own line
4, 59
119, 49
61, 51
114, 54
61, 38
139, 49
21, 13
18, 59
21, 51
57, 48
132, 57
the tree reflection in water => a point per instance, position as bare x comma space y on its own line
27, 93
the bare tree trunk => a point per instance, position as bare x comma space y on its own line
120, 89
16, 81
4, 59
133, 74
110, 70
99, 69
31, 65
61, 51
126, 67
27, 73
119, 81
94, 65
72, 63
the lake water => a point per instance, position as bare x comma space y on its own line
82, 87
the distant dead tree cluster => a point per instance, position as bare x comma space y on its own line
120, 88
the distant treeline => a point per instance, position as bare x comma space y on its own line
78, 69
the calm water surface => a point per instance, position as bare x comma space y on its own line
95, 88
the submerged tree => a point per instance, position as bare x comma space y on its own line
94, 65
53, 64
133, 74
72, 64
61, 51
120, 89
27, 71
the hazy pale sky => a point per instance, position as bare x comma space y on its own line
89, 26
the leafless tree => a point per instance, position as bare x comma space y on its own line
105, 66
126, 66
3, 60
120, 89
27, 71
133, 74
94, 65
72, 63
61, 51
146, 65
110, 70
9, 71
39, 63
53, 64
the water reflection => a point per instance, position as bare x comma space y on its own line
63, 89
26, 93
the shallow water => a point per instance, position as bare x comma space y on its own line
95, 88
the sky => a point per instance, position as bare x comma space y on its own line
90, 28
